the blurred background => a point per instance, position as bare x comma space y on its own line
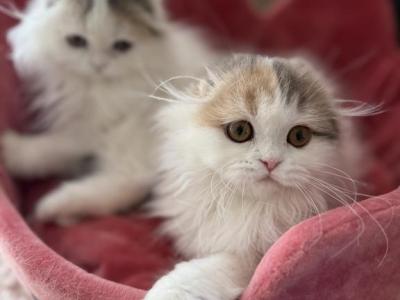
354, 41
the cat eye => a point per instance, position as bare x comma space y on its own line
240, 131
299, 136
77, 41
122, 46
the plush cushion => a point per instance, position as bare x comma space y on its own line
344, 254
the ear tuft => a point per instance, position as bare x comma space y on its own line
301, 64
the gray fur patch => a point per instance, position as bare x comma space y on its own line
299, 82
85, 5
137, 12
88, 6
127, 4
289, 82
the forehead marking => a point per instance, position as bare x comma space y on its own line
137, 12
288, 80
310, 93
248, 82
240, 94
250, 99
145, 4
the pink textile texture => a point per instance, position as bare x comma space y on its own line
336, 256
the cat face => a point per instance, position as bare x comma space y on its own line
95, 37
264, 123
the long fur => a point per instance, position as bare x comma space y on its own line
217, 210
92, 115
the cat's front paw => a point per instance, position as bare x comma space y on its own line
55, 208
176, 288
205, 278
10, 151
173, 294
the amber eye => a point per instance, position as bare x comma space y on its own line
77, 41
299, 136
240, 131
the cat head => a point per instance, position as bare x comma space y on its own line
257, 122
92, 37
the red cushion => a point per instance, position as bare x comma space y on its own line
355, 39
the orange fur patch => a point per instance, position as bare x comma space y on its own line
239, 95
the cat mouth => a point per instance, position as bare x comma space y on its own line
268, 179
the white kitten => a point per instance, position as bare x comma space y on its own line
91, 65
246, 155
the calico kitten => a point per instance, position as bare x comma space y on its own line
254, 150
92, 65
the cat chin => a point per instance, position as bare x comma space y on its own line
268, 186
268, 180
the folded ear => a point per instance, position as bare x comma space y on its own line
302, 65
309, 67
159, 9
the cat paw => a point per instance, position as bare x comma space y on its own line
55, 208
9, 150
174, 288
173, 294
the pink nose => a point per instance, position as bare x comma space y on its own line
271, 164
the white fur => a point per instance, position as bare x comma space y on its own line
10, 287
217, 210
204, 278
87, 112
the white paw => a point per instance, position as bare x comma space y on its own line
173, 294
175, 286
10, 151
199, 279
56, 207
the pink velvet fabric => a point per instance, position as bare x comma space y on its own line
323, 258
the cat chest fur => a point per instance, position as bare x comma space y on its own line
244, 226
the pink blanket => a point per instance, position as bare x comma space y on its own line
332, 257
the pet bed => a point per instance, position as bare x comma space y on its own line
343, 254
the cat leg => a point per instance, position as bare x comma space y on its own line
41, 155
221, 276
97, 195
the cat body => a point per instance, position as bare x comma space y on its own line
91, 66
254, 150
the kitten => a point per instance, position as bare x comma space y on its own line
249, 153
92, 65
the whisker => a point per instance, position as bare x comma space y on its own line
163, 99
353, 108
317, 212
345, 175
339, 176
379, 225
165, 82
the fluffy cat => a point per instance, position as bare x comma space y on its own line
255, 149
91, 65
